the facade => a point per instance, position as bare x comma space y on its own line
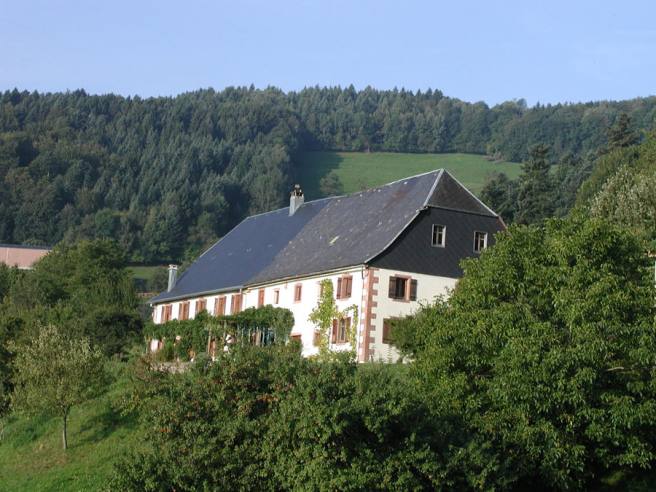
23, 257
386, 250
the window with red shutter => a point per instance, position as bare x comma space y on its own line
260, 298
413, 290
333, 335
338, 293
201, 305
387, 331
298, 292
235, 304
183, 313
347, 286
220, 306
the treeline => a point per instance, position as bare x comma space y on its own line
166, 176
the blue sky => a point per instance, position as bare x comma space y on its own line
551, 51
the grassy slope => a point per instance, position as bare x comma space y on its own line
358, 170
31, 458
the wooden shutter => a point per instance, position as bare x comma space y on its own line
333, 337
260, 298
387, 328
348, 281
392, 287
413, 290
338, 294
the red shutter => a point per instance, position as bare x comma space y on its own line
260, 298
392, 287
386, 331
333, 337
413, 290
338, 294
347, 286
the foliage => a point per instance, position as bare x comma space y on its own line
544, 355
167, 176
534, 199
267, 419
54, 372
195, 333
628, 196
85, 287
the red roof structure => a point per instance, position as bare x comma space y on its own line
23, 257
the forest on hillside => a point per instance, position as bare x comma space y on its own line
166, 176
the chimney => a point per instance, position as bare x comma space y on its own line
173, 277
296, 199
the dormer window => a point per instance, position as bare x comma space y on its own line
480, 241
439, 236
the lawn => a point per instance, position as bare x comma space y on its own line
31, 457
359, 170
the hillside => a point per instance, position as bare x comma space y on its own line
31, 458
358, 170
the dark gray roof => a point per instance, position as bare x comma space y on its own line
323, 235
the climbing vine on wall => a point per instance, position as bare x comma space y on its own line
325, 312
192, 336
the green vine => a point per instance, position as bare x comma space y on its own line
191, 337
325, 312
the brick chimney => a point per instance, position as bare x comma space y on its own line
296, 199
173, 277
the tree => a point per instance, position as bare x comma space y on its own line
621, 134
545, 356
330, 185
534, 201
54, 372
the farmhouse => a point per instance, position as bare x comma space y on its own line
23, 257
385, 250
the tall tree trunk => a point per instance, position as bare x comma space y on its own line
64, 439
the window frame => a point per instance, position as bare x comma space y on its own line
260, 298
409, 289
298, 292
183, 311
220, 306
435, 235
341, 327
485, 241
200, 305
276, 296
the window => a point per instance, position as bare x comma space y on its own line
480, 241
235, 304
166, 313
296, 337
403, 288
184, 311
439, 236
201, 305
340, 330
297, 292
317, 338
219, 306
276, 296
344, 287
260, 298
387, 331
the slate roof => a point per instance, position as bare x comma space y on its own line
323, 235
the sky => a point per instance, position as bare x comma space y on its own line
492, 51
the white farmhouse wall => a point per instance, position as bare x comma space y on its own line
380, 308
428, 288
301, 310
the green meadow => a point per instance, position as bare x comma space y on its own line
360, 170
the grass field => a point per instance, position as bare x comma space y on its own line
359, 170
31, 457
